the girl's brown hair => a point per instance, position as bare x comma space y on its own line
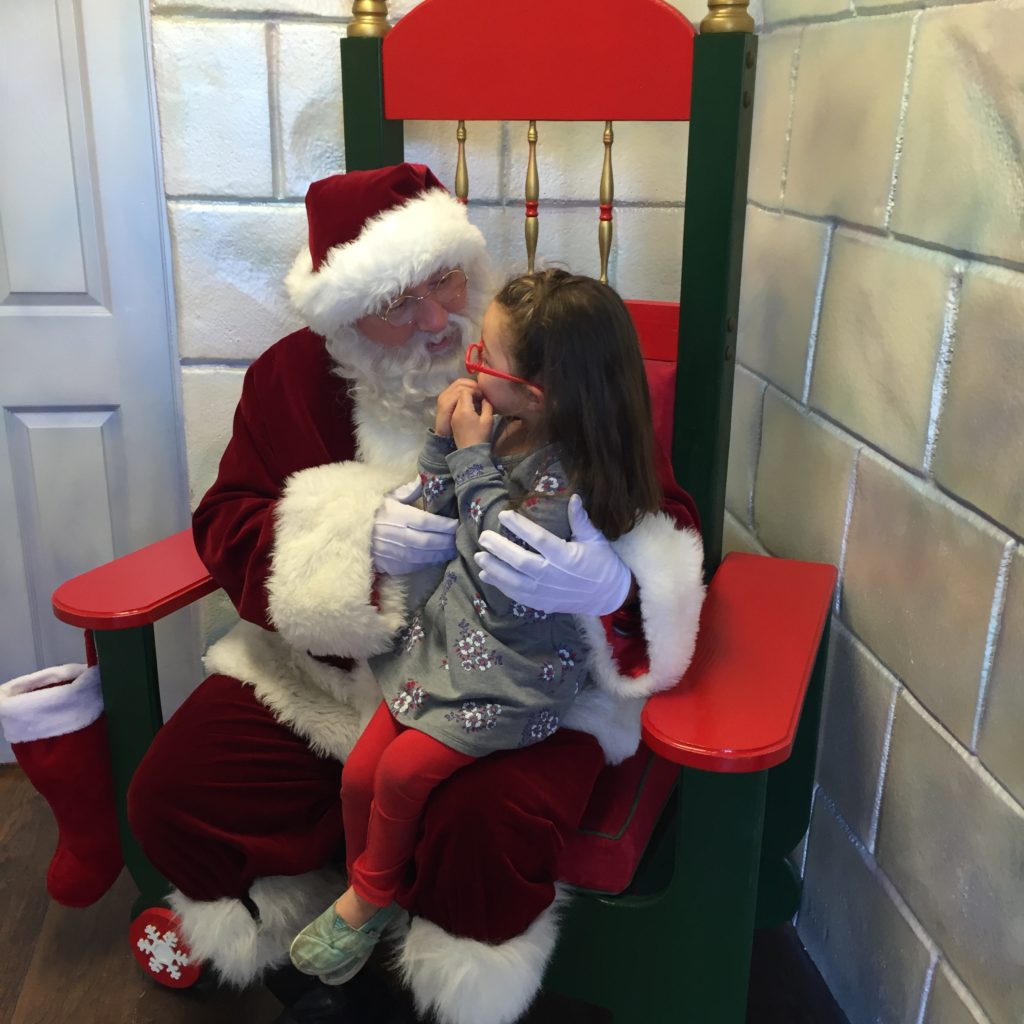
574, 336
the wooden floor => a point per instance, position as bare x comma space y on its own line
61, 966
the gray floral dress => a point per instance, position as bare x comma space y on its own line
473, 669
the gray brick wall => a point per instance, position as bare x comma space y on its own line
883, 315
878, 421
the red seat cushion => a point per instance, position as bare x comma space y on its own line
628, 799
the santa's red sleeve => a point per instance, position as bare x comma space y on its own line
285, 528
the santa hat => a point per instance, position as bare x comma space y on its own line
375, 234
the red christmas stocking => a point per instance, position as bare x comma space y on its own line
54, 721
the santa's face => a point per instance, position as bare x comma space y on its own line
418, 359
430, 319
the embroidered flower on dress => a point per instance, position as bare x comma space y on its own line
479, 605
471, 647
410, 699
449, 581
476, 510
471, 472
409, 636
547, 672
520, 611
433, 486
548, 483
566, 656
473, 716
539, 726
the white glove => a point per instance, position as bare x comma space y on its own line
583, 575
405, 539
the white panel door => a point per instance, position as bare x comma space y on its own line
91, 454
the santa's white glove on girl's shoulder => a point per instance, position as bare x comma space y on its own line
583, 575
405, 539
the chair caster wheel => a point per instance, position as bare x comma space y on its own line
159, 949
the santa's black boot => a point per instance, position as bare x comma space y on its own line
367, 999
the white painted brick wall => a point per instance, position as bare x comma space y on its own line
778, 311
212, 94
950, 1002
961, 180
846, 117
881, 330
803, 482
230, 262
920, 580
885, 168
305, 63
952, 841
860, 697
872, 953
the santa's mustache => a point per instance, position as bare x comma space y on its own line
400, 375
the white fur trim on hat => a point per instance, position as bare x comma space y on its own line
35, 707
398, 249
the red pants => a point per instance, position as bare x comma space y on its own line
226, 795
385, 783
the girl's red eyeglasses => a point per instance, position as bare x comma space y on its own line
474, 353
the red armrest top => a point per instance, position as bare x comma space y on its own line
136, 589
738, 706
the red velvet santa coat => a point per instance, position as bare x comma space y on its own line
286, 531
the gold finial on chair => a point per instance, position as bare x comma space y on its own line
532, 228
727, 16
461, 168
369, 19
604, 227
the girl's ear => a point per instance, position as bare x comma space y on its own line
534, 397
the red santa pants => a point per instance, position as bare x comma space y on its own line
385, 783
226, 795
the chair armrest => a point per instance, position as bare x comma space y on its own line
136, 589
738, 706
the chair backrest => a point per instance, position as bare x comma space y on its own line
595, 60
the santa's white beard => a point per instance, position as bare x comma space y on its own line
401, 377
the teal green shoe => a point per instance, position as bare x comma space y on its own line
335, 951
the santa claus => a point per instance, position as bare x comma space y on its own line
309, 529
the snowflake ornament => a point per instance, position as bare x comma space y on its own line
163, 951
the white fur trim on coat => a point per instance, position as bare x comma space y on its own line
396, 250
328, 707
34, 707
463, 981
240, 948
321, 573
667, 563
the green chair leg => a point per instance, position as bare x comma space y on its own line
690, 943
788, 805
131, 698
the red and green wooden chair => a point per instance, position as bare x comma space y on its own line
683, 851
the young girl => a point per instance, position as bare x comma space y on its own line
559, 407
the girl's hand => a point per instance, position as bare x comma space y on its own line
470, 426
446, 402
